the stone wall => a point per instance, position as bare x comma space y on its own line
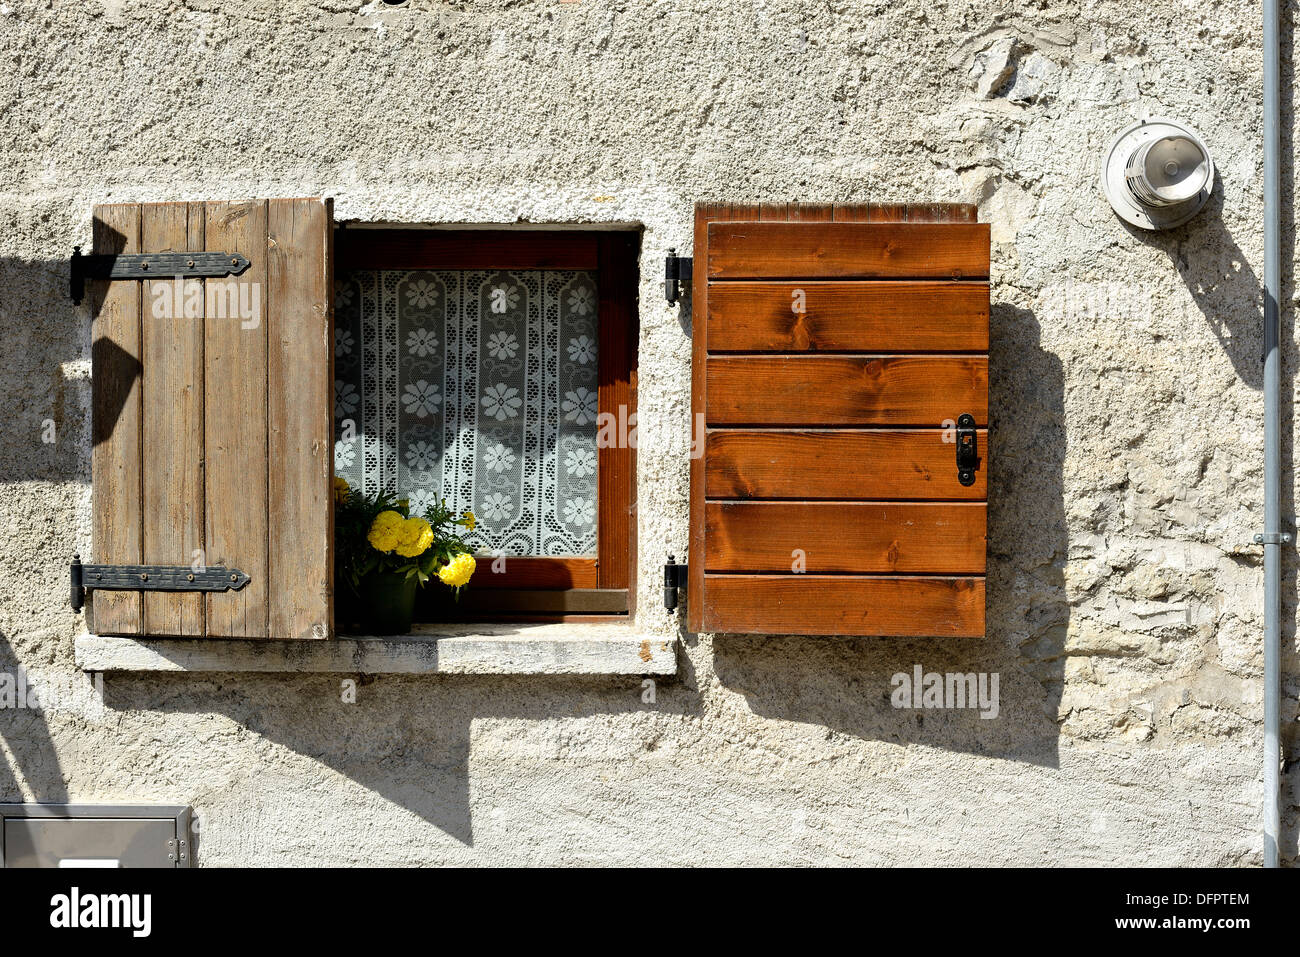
1124, 598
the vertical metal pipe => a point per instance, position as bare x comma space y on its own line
1272, 437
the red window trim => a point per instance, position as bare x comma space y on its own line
613, 257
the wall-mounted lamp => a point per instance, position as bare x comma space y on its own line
1157, 174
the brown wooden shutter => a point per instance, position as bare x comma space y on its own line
825, 427
212, 434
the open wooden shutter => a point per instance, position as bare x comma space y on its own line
835, 350
212, 432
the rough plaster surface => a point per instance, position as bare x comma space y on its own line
1126, 417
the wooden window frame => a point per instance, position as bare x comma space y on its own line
538, 588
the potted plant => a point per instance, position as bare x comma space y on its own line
384, 553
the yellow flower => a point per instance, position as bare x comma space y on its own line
468, 520
457, 572
341, 489
414, 536
385, 531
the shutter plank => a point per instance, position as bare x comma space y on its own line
236, 426
849, 317
889, 537
704, 213
173, 420
810, 212
917, 213
887, 213
846, 390
850, 212
838, 464
847, 250
116, 420
844, 605
941, 213
300, 382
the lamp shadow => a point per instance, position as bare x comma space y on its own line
1230, 296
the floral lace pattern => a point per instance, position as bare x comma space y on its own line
475, 386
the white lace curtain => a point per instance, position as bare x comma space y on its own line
478, 387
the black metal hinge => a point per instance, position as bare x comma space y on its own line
150, 578
968, 458
149, 266
674, 578
677, 270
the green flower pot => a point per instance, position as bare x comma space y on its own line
387, 602
345, 604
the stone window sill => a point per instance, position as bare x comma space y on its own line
482, 649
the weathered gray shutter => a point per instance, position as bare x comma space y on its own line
212, 432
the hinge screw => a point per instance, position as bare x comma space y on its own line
234, 578
190, 577
144, 577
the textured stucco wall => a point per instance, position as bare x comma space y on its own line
1126, 414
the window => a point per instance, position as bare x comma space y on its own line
840, 363
495, 370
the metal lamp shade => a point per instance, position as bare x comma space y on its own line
1157, 174
1167, 171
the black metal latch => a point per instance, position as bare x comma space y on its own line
968, 459
149, 266
677, 269
674, 578
150, 578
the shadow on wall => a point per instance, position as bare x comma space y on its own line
1222, 283
845, 684
407, 740
46, 338
46, 386
45, 390
28, 761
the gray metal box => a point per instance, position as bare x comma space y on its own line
91, 835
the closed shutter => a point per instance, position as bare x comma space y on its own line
835, 350
212, 417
